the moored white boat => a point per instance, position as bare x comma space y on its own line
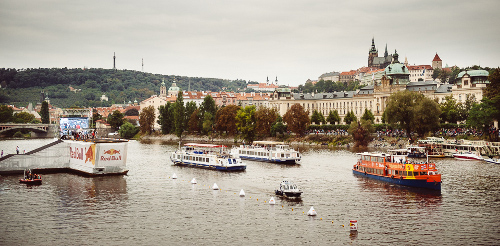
209, 156
467, 156
492, 160
268, 151
289, 189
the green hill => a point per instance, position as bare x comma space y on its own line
20, 87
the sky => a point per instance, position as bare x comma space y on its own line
250, 40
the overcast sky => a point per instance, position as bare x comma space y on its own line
250, 40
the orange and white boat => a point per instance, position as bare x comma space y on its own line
394, 167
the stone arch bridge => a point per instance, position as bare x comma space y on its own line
41, 130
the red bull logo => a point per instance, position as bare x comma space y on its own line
112, 152
115, 155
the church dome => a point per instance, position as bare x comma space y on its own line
396, 68
174, 87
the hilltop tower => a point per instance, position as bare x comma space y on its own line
114, 61
437, 62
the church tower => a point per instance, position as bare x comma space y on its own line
163, 89
373, 52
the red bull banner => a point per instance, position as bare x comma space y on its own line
112, 154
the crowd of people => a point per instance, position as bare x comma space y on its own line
79, 135
339, 132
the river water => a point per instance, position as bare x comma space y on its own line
148, 207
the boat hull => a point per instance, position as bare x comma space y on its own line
419, 183
211, 167
31, 181
282, 161
467, 157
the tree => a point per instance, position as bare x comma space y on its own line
406, 108
95, 117
23, 117
245, 123
436, 73
317, 118
449, 110
190, 108
165, 118
427, 113
297, 119
207, 124
368, 115
278, 127
209, 106
44, 113
194, 119
361, 132
6, 113
444, 75
226, 119
179, 115
350, 117
147, 119
482, 116
127, 130
333, 117
265, 118
115, 119
465, 107
492, 91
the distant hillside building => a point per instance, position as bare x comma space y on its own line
332, 76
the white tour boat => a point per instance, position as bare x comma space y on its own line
208, 156
269, 151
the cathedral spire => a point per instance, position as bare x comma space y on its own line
385, 53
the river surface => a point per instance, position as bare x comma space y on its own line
148, 207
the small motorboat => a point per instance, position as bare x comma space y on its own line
492, 160
288, 189
468, 156
31, 178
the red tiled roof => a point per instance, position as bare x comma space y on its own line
436, 57
420, 67
352, 72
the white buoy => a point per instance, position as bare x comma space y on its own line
174, 176
312, 212
193, 181
272, 201
353, 225
242, 193
215, 187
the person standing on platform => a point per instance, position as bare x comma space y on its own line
17, 150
